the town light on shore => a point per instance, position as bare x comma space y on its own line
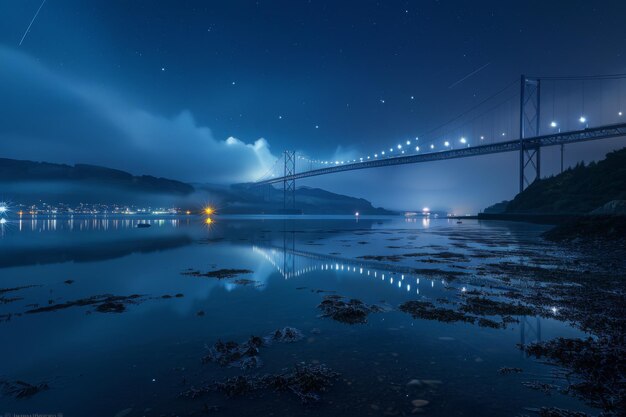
208, 210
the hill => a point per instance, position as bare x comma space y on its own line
578, 190
28, 182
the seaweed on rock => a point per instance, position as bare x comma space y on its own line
305, 381
350, 311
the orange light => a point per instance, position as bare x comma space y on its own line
209, 210
188, 212
208, 220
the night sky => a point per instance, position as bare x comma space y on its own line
159, 87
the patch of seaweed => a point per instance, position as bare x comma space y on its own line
350, 311
239, 355
21, 389
599, 364
506, 370
305, 381
427, 310
106, 303
218, 273
246, 355
244, 282
381, 258
487, 307
285, 335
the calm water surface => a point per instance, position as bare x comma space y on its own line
136, 363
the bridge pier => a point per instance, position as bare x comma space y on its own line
530, 155
289, 184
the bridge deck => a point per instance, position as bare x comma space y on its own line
602, 132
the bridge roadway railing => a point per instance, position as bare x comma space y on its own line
594, 133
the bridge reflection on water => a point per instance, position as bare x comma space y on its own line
292, 263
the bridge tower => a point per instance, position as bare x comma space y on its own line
289, 185
530, 156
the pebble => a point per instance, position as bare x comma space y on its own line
419, 403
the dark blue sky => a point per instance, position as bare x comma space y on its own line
170, 81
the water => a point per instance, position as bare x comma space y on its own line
99, 364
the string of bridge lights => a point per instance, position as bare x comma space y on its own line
407, 147
414, 146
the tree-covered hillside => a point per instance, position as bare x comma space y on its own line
578, 190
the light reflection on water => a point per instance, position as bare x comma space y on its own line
84, 355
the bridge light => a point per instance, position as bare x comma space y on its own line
463, 140
375, 155
336, 162
402, 152
446, 144
368, 157
553, 124
432, 146
503, 133
390, 149
582, 119
417, 148
408, 142
619, 113
482, 138
382, 153
399, 146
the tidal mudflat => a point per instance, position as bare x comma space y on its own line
307, 316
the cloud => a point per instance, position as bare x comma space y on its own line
49, 117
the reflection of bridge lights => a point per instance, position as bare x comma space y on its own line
3, 221
208, 221
554, 310
279, 257
3, 208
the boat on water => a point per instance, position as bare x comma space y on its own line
143, 225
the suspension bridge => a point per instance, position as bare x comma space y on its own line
513, 119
